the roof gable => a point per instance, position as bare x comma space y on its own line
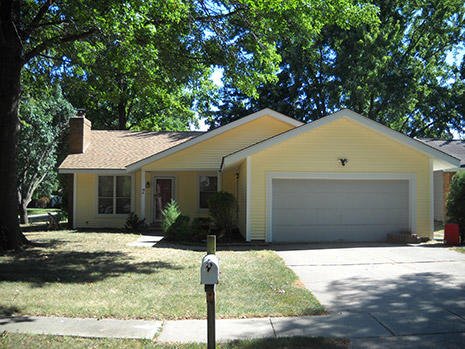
210, 134
442, 159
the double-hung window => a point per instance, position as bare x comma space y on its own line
208, 185
114, 194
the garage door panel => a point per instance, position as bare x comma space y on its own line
334, 210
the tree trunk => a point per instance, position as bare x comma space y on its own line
23, 216
122, 117
10, 73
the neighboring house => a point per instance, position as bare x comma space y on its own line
341, 178
442, 178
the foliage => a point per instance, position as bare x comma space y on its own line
399, 73
200, 228
223, 208
44, 115
456, 202
170, 213
174, 225
134, 223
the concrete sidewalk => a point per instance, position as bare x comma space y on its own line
365, 330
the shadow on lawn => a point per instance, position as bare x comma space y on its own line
39, 267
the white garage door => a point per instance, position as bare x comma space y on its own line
338, 210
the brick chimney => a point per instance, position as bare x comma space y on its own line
79, 133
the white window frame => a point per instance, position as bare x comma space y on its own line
131, 196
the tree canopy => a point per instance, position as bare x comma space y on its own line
398, 72
44, 115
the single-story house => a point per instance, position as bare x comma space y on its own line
343, 177
442, 178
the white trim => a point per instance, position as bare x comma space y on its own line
431, 196
154, 190
143, 190
74, 199
188, 169
103, 171
248, 200
455, 169
348, 114
203, 137
410, 177
219, 181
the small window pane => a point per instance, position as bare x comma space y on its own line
123, 186
207, 186
123, 205
105, 205
105, 186
208, 183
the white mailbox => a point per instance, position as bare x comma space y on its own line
209, 270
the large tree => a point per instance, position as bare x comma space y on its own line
398, 73
239, 36
44, 115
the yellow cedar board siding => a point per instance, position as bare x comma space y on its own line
208, 154
86, 205
318, 151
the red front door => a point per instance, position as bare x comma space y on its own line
163, 195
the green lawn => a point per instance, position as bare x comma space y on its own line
31, 211
51, 342
98, 275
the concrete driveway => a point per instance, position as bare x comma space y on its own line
410, 290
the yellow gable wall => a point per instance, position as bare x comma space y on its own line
318, 150
208, 154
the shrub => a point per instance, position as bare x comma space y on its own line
180, 230
456, 202
200, 228
43, 202
134, 223
169, 215
223, 206
174, 225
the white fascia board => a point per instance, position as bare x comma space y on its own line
101, 171
213, 133
349, 114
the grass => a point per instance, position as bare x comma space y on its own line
460, 249
31, 211
97, 275
11, 340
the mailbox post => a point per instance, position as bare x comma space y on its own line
209, 276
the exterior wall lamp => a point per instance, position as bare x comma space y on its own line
343, 161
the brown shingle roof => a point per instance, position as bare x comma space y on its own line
452, 147
118, 149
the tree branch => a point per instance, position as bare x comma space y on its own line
38, 17
50, 42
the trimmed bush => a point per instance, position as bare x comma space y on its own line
169, 215
456, 202
134, 223
174, 225
201, 228
223, 208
